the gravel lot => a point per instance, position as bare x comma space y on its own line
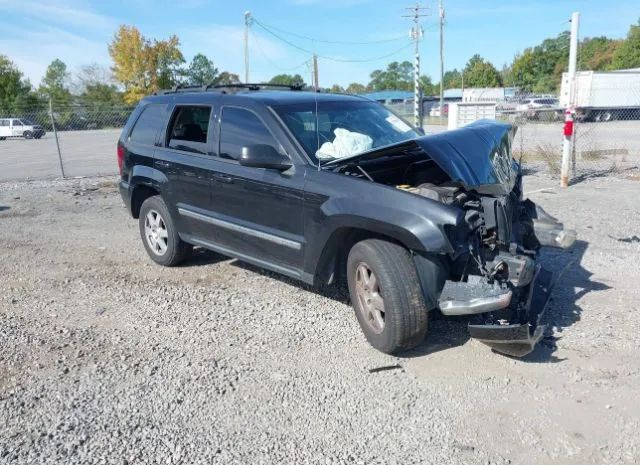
107, 358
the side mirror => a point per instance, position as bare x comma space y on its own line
264, 156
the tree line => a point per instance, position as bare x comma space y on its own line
141, 66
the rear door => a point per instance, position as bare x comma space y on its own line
256, 212
185, 156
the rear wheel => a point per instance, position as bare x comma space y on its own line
386, 295
159, 234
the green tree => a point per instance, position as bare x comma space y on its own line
356, 88
54, 84
288, 80
427, 86
225, 78
397, 76
201, 71
627, 55
597, 53
452, 79
481, 73
337, 89
16, 94
539, 68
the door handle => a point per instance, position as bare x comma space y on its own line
162, 164
222, 178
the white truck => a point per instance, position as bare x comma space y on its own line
20, 127
603, 95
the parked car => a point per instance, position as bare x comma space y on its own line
322, 187
435, 111
20, 127
540, 108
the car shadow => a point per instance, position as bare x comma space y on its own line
204, 257
571, 282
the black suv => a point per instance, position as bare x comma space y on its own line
321, 187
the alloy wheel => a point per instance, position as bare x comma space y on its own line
371, 302
155, 232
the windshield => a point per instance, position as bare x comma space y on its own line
345, 128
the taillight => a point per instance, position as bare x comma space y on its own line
120, 158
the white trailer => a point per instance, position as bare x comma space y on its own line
603, 96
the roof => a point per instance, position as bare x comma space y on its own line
389, 95
452, 93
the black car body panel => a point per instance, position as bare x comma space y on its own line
454, 199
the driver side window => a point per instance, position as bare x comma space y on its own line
242, 128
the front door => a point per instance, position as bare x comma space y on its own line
257, 212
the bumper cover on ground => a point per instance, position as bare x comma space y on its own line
519, 339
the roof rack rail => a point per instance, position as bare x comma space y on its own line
219, 87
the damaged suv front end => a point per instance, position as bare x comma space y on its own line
492, 269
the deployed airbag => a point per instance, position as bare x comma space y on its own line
345, 144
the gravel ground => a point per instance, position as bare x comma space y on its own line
108, 358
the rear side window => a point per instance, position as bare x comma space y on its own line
189, 129
241, 128
149, 121
4, 122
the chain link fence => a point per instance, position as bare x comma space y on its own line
604, 144
40, 142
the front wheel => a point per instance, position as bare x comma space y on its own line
28, 135
386, 295
159, 234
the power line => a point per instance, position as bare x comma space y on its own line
271, 62
323, 41
330, 58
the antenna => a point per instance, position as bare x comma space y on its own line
315, 98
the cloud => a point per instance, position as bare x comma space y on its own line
68, 13
36, 46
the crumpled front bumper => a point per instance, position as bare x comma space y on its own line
518, 337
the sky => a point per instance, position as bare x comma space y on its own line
35, 32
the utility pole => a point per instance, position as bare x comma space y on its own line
441, 57
569, 111
416, 34
315, 73
247, 23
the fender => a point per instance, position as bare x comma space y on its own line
417, 223
148, 176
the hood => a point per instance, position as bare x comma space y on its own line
477, 155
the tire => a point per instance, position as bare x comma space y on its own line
159, 235
27, 135
403, 323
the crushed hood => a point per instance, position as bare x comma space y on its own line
477, 155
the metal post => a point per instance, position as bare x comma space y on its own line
441, 58
247, 23
568, 138
55, 134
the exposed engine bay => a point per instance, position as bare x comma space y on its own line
493, 270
